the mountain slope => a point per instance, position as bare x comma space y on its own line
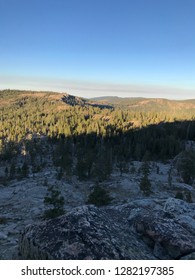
147, 104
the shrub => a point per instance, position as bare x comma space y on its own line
99, 197
3, 220
179, 195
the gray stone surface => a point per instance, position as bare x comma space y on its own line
162, 228
84, 233
22, 203
141, 229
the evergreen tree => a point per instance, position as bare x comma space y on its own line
60, 174
179, 195
18, 171
12, 171
25, 169
186, 166
122, 164
55, 201
188, 196
81, 169
145, 184
169, 178
103, 164
6, 171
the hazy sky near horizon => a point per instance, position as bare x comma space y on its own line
99, 47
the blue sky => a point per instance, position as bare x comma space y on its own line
89, 47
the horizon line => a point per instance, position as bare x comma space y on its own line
94, 89
95, 97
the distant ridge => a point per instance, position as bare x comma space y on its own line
146, 104
104, 102
116, 98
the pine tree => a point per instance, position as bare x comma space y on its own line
6, 171
188, 196
12, 171
186, 166
55, 201
81, 170
145, 184
103, 164
25, 169
169, 178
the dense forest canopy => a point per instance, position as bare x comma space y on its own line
24, 112
94, 134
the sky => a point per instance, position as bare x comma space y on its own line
99, 47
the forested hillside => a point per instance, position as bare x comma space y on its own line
180, 108
26, 114
88, 139
48, 113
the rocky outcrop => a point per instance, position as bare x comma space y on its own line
162, 232
85, 233
142, 229
73, 100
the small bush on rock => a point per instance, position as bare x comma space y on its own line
99, 197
